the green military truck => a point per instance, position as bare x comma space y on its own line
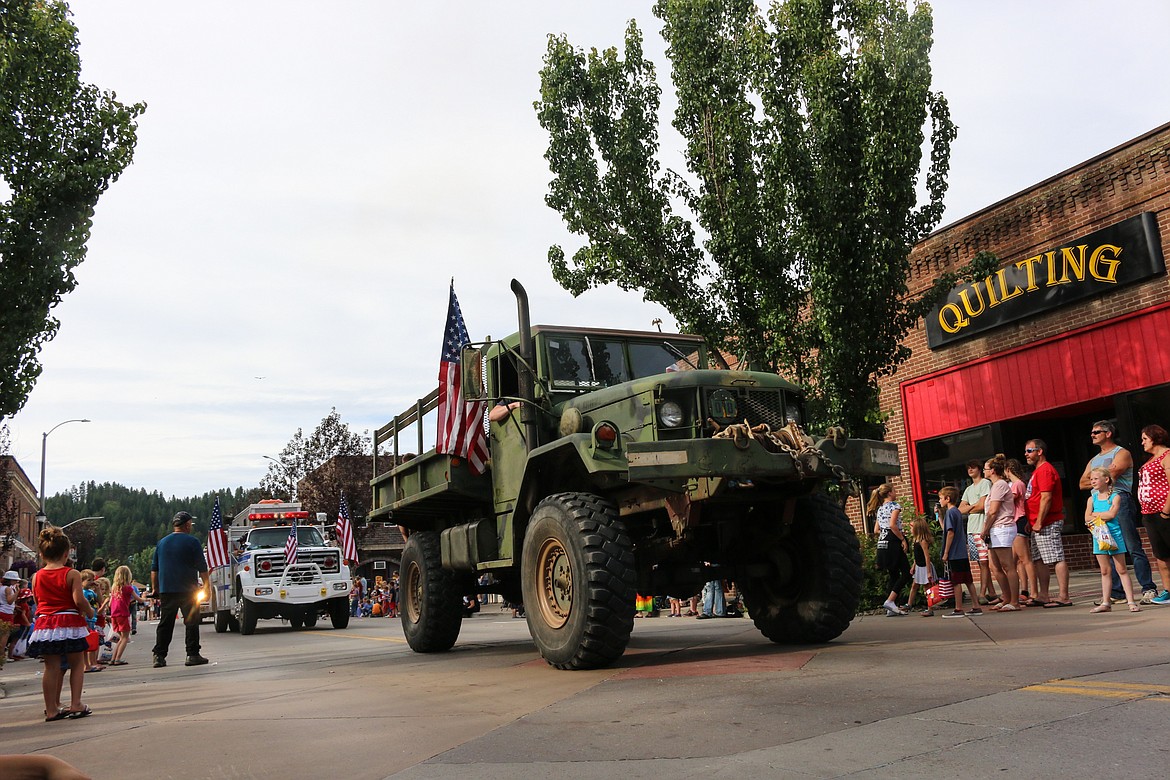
628, 467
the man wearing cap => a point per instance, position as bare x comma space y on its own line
174, 577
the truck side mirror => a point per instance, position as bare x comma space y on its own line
471, 366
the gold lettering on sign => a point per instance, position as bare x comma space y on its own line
967, 303
957, 321
1111, 263
1004, 295
1085, 267
1073, 262
989, 283
1027, 265
1050, 265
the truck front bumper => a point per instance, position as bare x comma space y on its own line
663, 463
277, 593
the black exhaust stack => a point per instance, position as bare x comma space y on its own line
527, 409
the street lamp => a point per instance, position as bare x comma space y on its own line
41, 518
292, 490
82, 520
73, 550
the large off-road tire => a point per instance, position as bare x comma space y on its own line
431, 601
578, 575
310, 617
816, 585
221, 621
232, 623
249, 615
339, 612
296, 621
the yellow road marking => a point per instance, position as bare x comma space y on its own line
1105, 690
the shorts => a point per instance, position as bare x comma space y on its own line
121, 623
961, 572
1158, 531
1023, 527
976, 549
1047, 545
1003, 535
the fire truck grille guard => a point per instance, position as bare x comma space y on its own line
302, 573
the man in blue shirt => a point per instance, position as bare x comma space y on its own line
174, 577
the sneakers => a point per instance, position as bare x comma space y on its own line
1148, 597
1162, 598
195, 660
159, 661
955, 615
892, 609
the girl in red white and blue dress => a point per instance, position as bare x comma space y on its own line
60, 632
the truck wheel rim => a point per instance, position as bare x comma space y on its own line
414, 592
556, 583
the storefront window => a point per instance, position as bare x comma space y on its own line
943, 461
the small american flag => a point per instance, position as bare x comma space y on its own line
217, 542
345, 533
460, 430
290, 546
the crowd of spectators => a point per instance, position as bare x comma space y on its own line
1012, 530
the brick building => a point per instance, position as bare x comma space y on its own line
18, 541
1062, 335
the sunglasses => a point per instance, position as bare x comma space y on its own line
1096, 433
1031, 449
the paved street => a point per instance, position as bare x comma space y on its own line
1043, 693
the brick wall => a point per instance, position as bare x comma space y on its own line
1114, 186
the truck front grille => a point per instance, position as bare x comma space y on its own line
303, 573
755, 406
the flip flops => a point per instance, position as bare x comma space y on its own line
118, 663
1058, 604
61, 715
84, 712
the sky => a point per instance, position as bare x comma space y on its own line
309, 178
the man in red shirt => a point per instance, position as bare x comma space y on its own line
1044, 503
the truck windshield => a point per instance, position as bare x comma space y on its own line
307, 536
591, 362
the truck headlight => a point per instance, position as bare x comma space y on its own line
670, 414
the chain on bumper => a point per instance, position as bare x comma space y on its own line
791, 440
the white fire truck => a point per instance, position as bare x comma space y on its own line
258, 584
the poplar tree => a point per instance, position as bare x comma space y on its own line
787, 238
62, 143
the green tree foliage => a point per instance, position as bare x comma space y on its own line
302, 455
803, 130
133, 519
62, 143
